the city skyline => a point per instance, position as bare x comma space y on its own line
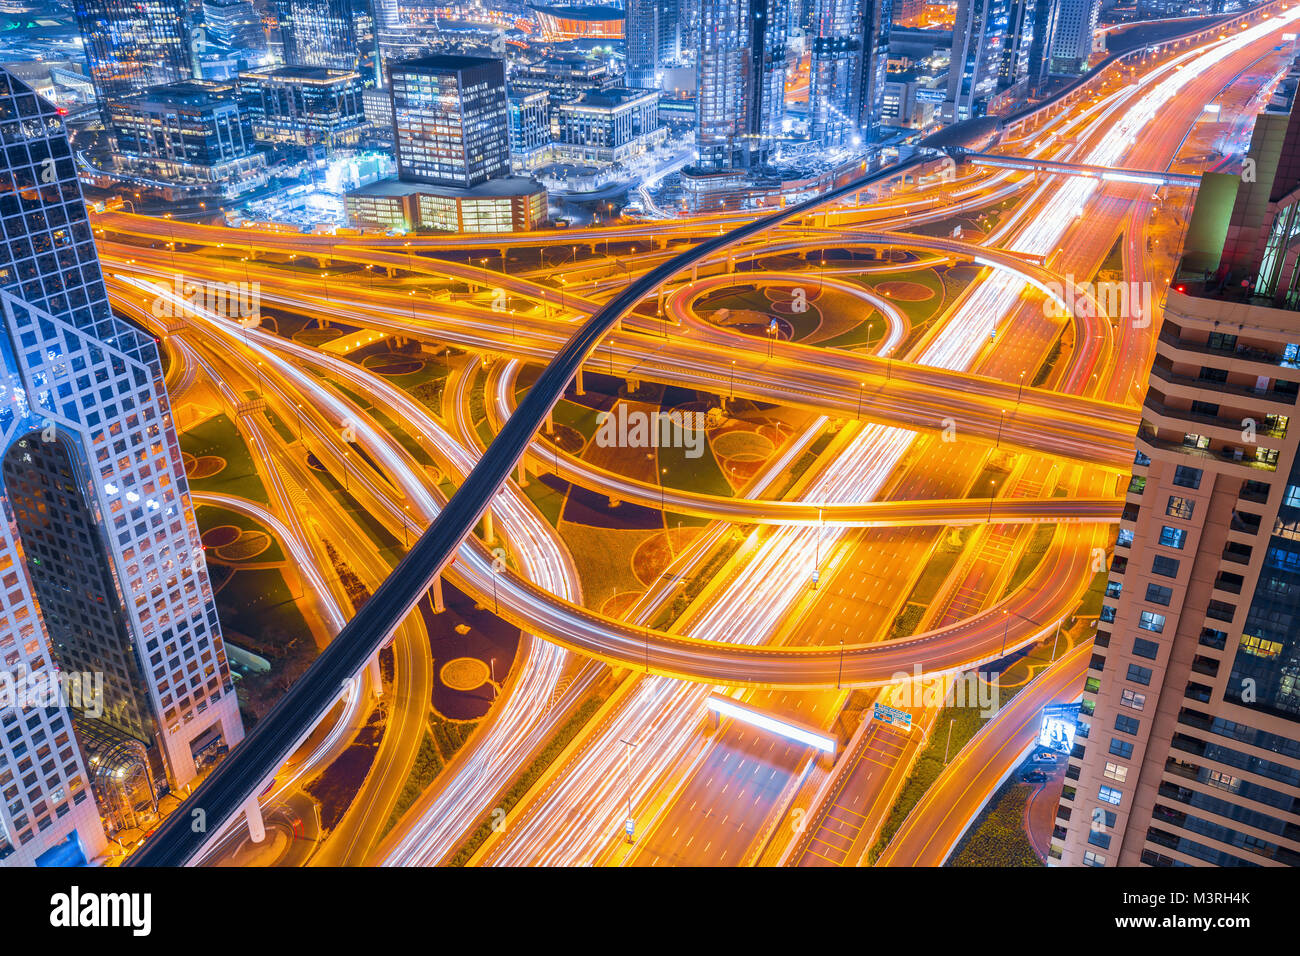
691, 433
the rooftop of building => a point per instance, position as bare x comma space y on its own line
595, 12
566, 62
503, 188
194, 94
300, 74
609, 98
443, 63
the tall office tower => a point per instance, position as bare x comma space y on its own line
1047, 13
1072, 44
877, 22
769, 28
133, 44
319, 33
450, 120
652, 39
101, 566
234, 24
1191, 748
740, 70
834, 67
979, 40
1017, 54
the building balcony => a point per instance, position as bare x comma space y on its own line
1227, 454
1205, 388
1167, 343
1228, 424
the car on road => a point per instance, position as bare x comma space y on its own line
1034, 776
1045, 757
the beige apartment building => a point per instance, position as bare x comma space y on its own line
1188, 751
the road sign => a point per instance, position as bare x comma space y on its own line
891, 715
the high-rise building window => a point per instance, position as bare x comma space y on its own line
1173, 537
1115, 771
1151, 621
1180, 507
1126, 724
1187, 477
1159, 594
1139, 675
1165, 566
1111, 795
1131, 698
1145, 648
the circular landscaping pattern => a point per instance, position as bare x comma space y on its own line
249, 545
464, 673
568, 438
905, 291
221, 536
617, 604
654, 554
393, 363
205, 466
742, 445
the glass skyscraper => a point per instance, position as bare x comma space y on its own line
979, 41
319, 33
740, 99
451, 120
134, 44
849, 58
101, 566
652, 39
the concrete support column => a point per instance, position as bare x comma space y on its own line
550, 422
376, 675
577, 383
522, 481
253, 817
438, 604
489, 531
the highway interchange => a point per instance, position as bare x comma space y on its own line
860, 525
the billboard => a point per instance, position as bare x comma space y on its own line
1060, 723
